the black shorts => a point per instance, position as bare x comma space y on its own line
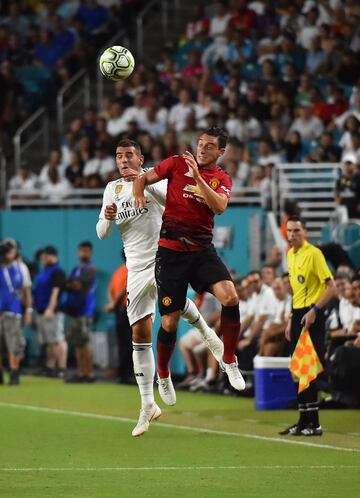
175, 270
317, 331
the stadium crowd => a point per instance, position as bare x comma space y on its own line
283, 79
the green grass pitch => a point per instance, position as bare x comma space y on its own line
61, 440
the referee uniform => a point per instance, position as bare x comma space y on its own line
308, 274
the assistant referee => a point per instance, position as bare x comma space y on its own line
313, 287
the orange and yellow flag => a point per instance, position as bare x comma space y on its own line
305, 363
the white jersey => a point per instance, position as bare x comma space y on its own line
139, 227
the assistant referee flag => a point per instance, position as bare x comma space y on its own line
305, 363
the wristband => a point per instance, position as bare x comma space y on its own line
316, 308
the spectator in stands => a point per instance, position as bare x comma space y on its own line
268, 275
351, 126
49, 319
116, 123
272, 339
339, 122
311, 27
219, 22
326, 152
102, 163
242, 18
55, 187
74, 172
198, 25
293, 147
347, 192
179, 112
310, 127
263, 307
93, 15
243, 126
54, 163
231, 168
25, 180
80, 307
193, 347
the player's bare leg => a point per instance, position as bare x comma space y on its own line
144, 369
225, 292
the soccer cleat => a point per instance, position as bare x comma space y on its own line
214, 343
293, 430
167, 391
235, 378
146, 416
311, 430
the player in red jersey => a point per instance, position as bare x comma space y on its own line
197, 190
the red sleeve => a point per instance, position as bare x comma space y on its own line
165, 168
225, 185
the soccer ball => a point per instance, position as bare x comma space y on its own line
117, 63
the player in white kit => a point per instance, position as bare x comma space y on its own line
139, 228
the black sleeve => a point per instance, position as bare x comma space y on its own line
58, 278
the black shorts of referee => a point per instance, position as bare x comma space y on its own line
317, 331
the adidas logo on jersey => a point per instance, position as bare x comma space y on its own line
139, 374
188, 174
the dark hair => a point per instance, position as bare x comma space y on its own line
50, 250
295, 217
126, 142
86, 243
254, 272
219, 133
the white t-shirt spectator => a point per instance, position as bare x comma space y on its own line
243, 130
101, 166
56, 191
178, 114
309, 129
340, 120
348, 314
218, 25
44, 177
17, 182
265, 303
306, 36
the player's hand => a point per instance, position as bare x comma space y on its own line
48, 314
140, 201
110, 211
288, 330
130, 175
192, 165
308, 319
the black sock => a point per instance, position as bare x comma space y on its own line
309, 406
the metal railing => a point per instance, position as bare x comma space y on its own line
119, 39
79, 86
22, 143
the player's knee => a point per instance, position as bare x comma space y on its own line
230, 300
170, 323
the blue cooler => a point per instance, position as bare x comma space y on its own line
274, 387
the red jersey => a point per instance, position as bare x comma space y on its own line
188, 221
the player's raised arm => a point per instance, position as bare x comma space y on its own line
148, 178
217, 202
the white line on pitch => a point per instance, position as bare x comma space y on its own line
178, 427
220, 467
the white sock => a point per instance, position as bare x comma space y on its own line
144, 369
192, 315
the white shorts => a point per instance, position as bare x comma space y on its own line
142, 294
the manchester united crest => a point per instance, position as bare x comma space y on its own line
214, 183
166, 301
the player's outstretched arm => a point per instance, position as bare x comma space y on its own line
148, 178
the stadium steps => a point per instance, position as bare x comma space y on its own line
312, 187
